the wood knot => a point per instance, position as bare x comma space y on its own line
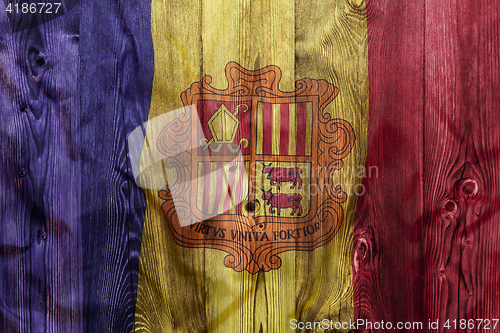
450, 206
41, 235
362, 251
250, 206
467, 188
357, 5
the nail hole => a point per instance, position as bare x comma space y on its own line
467, 242
21, 173
40, 62
23, 109
450, 206
441, 272
42, 235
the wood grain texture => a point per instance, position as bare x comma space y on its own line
383, 263
190, 290
116, 76
423, 232
71, 90
41, 228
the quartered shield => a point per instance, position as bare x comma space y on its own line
254, 167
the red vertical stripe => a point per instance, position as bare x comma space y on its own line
267, 122
284, 125
301, 128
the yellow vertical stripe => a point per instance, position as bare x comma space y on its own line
223, 183
232, 186
244, 188
213, 186
260, 127
309, 121
292, 129
276, 129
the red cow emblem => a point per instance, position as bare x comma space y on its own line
278, 175
280, 200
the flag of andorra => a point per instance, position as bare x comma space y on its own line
249, 166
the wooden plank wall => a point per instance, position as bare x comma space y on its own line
190, 290
426, 231
422, 243
41, 229
71, 89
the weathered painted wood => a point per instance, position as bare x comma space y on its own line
184, 289
424, 231
462, 175
116, 76
385, 262
71, 91
42, 248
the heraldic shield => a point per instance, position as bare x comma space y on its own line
253, 167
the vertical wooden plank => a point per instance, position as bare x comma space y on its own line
331, 44
165, 300
459, 177
483, 303
270, 40
443, 230
42, 285
16, 191
387, 254
55, 165
116, 58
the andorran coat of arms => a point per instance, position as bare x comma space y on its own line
253, 167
